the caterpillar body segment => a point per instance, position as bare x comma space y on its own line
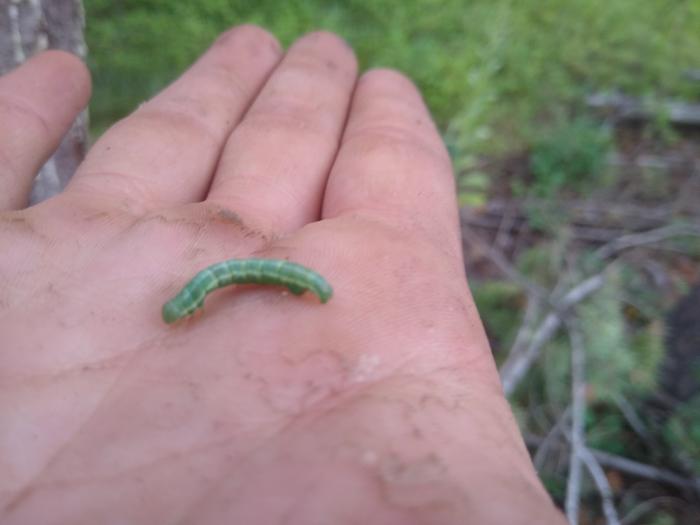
295, 277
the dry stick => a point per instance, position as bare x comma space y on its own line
585, 228
647, 506
500, 261
582, 233
578, 410
553, 434
646, 471
527, 327
632, 418
536, 294
631, 467
602, 484
504, 228
588, 218
517, 365
648, 237
628, 108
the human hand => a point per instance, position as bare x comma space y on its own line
382, 406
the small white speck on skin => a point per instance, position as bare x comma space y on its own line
366, 368
369, 457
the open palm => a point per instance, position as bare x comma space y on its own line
382, 406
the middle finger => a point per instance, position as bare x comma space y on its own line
273, 169
165, 153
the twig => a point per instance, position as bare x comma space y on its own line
601, 481
649, 237
500, 261
503, 233
629, 466
578, 410
627, 108
633, 418
516, 366
543, 448
647, 471
644, 507
586, 212
527, 327
584, 233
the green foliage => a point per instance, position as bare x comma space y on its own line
473, 189
556, 486
647, 345
489, 69
692, 247
556, 373
606, 431
662, 517
619, 361
645, 303
500, 305
609, 359
545, 216
571, 155
683, 432
617, 364
543, 262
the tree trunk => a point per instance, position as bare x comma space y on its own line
26, 28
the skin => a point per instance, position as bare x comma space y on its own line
381, 406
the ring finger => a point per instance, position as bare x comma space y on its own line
273, 169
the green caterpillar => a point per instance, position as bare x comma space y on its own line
295, 277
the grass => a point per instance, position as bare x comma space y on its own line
492, 71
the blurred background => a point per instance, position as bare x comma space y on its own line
574, 127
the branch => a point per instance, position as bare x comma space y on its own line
649, 237
585, 212
516, 366
633, 419
627, 108
550, 439
578, 410
647, 471
527, 327
500, 262
647, 506
629, 466
601, 481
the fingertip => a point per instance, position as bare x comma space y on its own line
386, 75
39, 101
334, 46
391, 83
255, 38
64, 67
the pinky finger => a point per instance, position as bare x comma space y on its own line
38, 102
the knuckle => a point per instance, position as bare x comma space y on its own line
24, 116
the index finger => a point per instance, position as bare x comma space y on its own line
392, 163
38, 102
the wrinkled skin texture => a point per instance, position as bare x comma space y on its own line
382, 406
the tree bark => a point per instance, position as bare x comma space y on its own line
26, 28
